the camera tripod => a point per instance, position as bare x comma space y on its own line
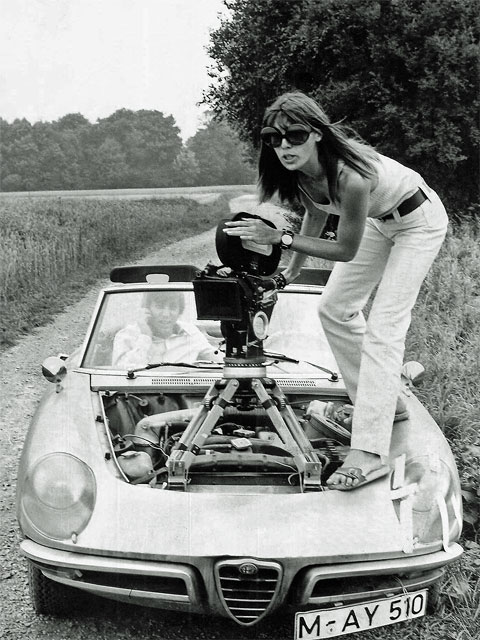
253, 381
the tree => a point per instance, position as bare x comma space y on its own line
108, 166
150, 142
71, 122
19, 156
52, 162
401, 72
186, 168
220, 155
126, 149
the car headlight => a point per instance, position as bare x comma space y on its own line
434, 506
59, 495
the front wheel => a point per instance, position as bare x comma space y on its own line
436, 597
50, 597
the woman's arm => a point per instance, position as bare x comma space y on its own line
354, 193
312, 225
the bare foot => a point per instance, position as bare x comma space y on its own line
357, 459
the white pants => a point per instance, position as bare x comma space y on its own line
397, 255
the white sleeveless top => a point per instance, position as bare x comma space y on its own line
395, 184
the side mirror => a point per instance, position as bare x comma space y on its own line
413, 372
54, 370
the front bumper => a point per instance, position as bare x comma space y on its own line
217, 586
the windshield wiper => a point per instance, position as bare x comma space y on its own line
199, 364
280, 357
209, 364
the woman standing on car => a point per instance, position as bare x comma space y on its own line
391, 227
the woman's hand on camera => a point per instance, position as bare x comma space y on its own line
254, 230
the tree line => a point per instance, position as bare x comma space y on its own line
403, 73
128, 149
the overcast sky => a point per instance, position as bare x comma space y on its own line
96, 56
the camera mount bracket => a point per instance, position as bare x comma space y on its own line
277, 408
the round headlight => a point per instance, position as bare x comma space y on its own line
59, 495
435, 515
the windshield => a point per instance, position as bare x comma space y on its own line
135, 328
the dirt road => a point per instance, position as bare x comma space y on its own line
21, 385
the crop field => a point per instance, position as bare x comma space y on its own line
53, 250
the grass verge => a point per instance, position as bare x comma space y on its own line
53, 250
444, 336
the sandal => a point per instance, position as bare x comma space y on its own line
356, 474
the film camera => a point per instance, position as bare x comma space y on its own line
243, 300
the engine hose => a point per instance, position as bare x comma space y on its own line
149, 476
160, 419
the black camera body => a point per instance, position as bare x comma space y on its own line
243, 300
243, 303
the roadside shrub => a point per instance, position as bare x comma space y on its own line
444, 337
404, 73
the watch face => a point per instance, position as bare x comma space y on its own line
287, 239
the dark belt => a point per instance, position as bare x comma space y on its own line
408, 205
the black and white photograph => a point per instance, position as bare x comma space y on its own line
239, 319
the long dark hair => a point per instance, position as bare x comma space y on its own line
338, 142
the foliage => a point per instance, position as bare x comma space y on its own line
444, 336
220, 155
49, 247
402, 72
186, 168
128, 149
149, 142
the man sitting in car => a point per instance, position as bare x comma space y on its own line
158, 335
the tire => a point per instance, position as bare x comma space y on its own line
49, 597
435, 599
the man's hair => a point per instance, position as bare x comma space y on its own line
169, 298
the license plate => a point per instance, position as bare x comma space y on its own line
330, 623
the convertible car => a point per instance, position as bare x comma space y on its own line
159, 470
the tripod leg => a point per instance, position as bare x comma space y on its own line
198, 430
197, 420
291, 421
274, 414
289, 430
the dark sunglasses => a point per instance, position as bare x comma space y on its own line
295, 135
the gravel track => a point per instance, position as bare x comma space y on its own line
21, 386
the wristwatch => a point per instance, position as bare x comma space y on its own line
287, 239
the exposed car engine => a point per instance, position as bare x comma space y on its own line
243, 448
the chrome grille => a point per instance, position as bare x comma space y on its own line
247, 597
